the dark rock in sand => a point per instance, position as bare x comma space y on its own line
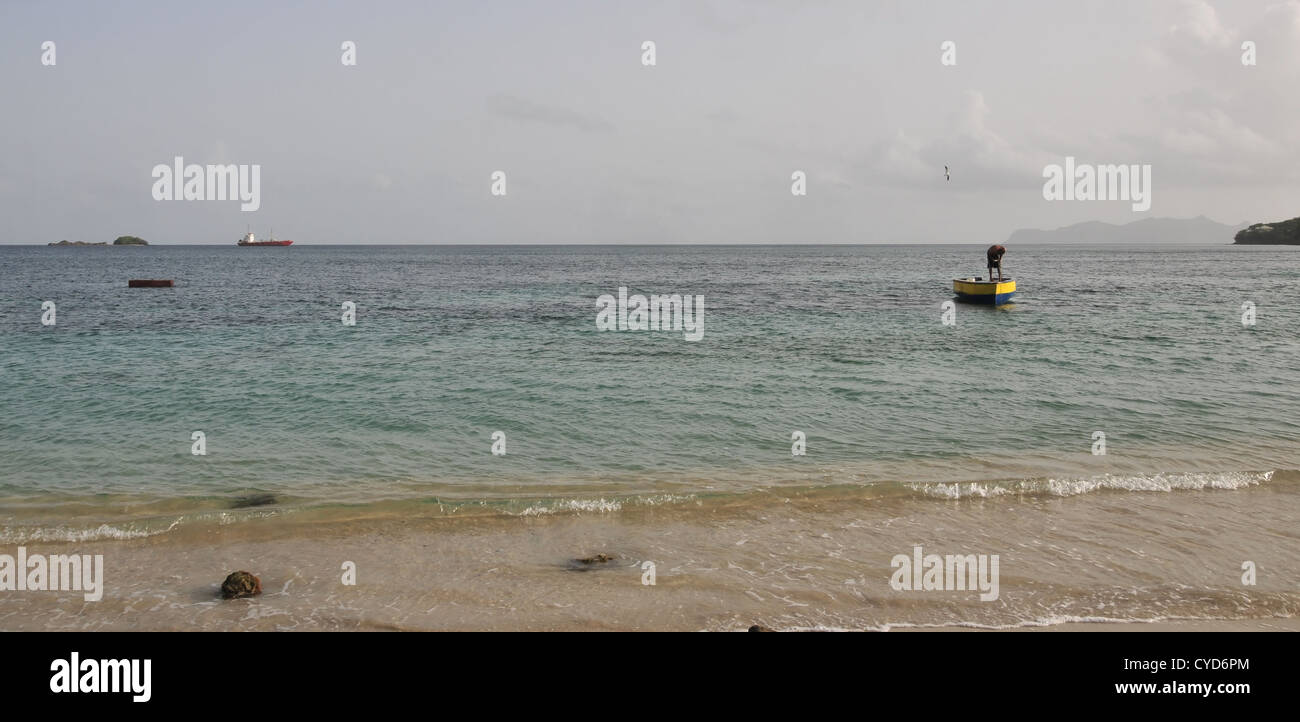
244, 502
760, 628
240, 584
594, 561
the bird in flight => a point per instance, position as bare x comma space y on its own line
945, 174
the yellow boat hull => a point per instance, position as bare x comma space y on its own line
994, 293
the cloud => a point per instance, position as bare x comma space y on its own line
529, 111
1214, 120
1288, 10
723, 116
724, 16
975, 151
1228, 134
1200, 22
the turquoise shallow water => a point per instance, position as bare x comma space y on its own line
453, 343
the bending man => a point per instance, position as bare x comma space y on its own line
995, 260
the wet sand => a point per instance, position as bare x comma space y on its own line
1188, 625
1122, 561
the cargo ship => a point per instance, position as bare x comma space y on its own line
248, 240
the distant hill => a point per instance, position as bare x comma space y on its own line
1279, 233
121, 241
1147, 230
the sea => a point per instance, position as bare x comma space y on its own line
1132, 414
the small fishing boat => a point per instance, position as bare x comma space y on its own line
974, 290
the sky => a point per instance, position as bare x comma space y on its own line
597, 147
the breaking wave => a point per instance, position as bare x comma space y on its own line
1106, 482
27, 535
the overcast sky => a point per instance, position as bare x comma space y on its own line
599, 148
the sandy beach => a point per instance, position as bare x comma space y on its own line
808, 561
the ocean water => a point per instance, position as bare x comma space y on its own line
305, 415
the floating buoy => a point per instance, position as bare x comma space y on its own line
149, 283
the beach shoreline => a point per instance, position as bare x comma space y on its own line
798, 562
1279, 624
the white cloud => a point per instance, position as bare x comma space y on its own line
1200, 22
975, 152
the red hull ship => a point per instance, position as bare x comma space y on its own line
248, 240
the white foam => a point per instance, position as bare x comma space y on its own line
1075, 487
1049, 621
603, 505
69, 534
596, 505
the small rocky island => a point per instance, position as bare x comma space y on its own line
121, 241
1270, 234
